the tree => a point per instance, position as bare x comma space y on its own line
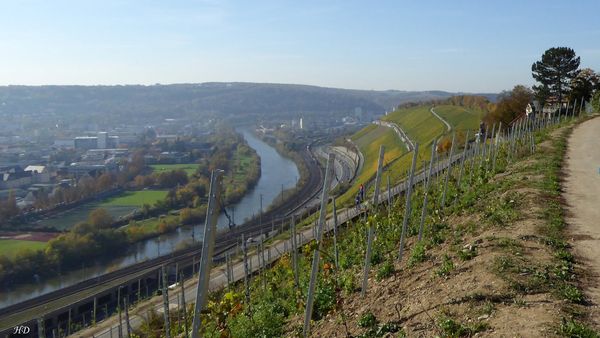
105, 181
9, 208
510, 105
596, 101
100, 218
554, 72
584, 84
171, 179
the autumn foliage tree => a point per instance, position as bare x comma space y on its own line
171, 179
510, 105
100, 218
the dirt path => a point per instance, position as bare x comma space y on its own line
448, 126
582, 193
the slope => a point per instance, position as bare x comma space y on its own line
420, 126
461, 118
493, 263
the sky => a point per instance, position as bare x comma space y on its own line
459, 46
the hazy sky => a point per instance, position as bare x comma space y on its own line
474, 46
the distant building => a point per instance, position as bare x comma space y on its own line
69, 144
39, 173
101, 141
167, 137
93, 170
86, 142
15, 179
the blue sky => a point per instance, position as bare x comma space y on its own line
471, 46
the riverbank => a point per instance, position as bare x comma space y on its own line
297, 158
275, 170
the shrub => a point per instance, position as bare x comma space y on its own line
385, 270
348, 282
571, 293
467, 253
447, 266
572, 328
417, 255
367, 319
325, 298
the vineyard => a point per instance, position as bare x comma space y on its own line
472, 243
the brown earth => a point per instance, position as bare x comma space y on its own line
506, 290
582, 194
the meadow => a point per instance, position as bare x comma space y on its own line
10, 247
117, 206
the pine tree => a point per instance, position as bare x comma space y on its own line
555, 72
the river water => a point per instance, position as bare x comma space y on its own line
275, 172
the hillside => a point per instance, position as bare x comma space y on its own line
461, 118
494, 264
493, 261
420, 126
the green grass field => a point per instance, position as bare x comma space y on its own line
460, 118
135, 198
189, 168
10, 247
117, 206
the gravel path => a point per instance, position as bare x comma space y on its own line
582, 193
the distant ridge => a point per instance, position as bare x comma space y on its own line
139, 103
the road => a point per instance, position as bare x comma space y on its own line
582, 191
345, 165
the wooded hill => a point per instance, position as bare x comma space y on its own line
144, 104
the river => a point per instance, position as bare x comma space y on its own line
275, 172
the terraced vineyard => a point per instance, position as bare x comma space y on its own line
420, 126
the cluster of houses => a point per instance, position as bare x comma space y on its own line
27, 183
